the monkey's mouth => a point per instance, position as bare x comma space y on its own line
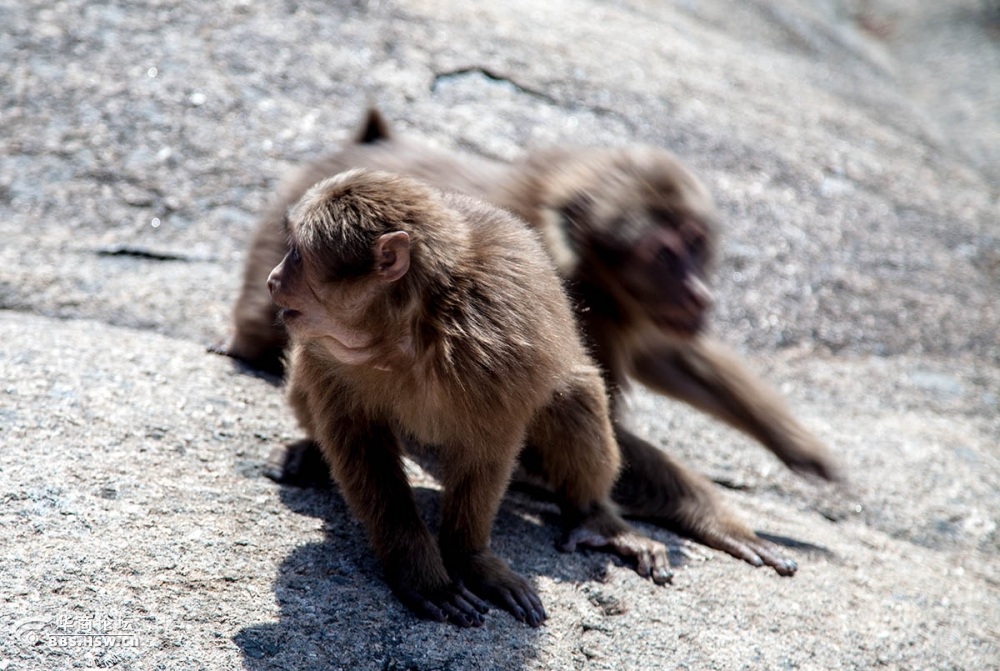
683, 325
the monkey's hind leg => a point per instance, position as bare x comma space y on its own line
654, 487
571, 445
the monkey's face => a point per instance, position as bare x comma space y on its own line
329, 284
304, 304
663, 270
644, 227
322, 311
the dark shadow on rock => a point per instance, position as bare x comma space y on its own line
273, 374
802, 546
337, 612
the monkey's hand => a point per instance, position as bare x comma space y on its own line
422, 584
605, 530
300, 464
491, 577
451, 602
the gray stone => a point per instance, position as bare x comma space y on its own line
853, 148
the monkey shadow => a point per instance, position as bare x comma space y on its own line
804, 547
273, 377
336, 611
271, 372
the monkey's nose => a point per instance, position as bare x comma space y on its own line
272, 282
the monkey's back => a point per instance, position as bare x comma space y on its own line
473, 340
526, 298
502, 331
439, 168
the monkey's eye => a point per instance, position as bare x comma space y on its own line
293, 254
697, 246
663, 216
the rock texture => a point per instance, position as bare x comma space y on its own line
854, 148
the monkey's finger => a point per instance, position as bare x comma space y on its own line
644, 564
444, 607
532, 607
427, 610
444, 604
755, 552
736, 549
537, 607
523, 609
462, 613
506, 597
663, 576
781, 565
468, 610
660, 571
655, 565
472, 599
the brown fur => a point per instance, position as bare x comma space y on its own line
432, 317
632, 234
258, 338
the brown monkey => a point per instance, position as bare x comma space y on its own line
632, 235
431, 317
258, 338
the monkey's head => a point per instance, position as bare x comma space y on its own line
351, 240
638, 223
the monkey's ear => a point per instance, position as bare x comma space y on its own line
392, 255
576, 213
374, 128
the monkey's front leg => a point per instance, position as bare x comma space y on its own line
707, 375
258, 338
654, 487
472, 496
365, 462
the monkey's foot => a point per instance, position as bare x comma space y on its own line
742, 543
452, 603
608, 532
300, 464
656, 488
806, 455
489, 576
